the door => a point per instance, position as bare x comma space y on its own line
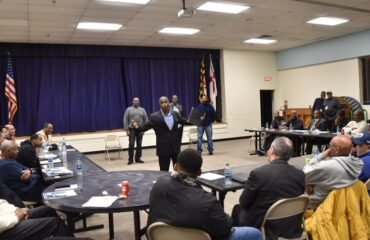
266, 97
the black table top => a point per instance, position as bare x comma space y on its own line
140, 182
240, 175
300, 133
219, 184
89, 167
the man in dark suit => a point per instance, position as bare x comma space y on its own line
294, 123
268, 184
318, 103
165, 124
317, 123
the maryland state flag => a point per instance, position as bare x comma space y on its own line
202, 82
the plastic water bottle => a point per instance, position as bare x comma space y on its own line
64, 158
50, 163
267, 125
79, 169
338, 130
64, 145
291, 127
228, 174
315, 152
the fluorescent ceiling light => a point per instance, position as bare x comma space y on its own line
223, 7
260, 40
329, 21
99, 26
128, 1
176, 30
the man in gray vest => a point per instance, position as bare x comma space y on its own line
137, 114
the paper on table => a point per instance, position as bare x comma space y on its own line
59, 194
72, 186
211, 176
57, 160
71, 150
100, 201
48, 155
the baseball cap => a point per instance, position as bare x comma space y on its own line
364, 139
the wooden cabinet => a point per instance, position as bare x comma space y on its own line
303, 113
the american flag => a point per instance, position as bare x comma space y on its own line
202, 83
10, 92
212, 83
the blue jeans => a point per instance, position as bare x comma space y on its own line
208, 130
245, 233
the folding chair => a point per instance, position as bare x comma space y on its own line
163, 231
284, 208
112, 143
193, 138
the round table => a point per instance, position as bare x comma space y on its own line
141, 183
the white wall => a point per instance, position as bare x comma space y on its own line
300, 86
243, 79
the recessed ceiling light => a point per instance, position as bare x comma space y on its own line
128, 1
177, 30
329, 21
260, 41
99, 26
223, 7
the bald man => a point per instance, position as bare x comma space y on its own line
357, 126
20, 179
165, 124
332, 169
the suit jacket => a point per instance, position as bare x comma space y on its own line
265, 186
320, 125
168, 141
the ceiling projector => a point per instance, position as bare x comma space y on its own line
186, 13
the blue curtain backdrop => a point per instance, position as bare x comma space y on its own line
87, 88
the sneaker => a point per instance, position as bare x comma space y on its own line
129, 162
139, 161
261, 152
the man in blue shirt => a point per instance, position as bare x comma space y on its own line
363, 152
17, 177
206, 124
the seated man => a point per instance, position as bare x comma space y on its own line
45, 133
17, 177
357, 126
27, 152
339, 122
268, 184
332, 169
275, 124
317, 123
363, 152
36, 223
11, 132
179, 200
294, 123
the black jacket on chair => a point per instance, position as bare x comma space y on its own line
265, 186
